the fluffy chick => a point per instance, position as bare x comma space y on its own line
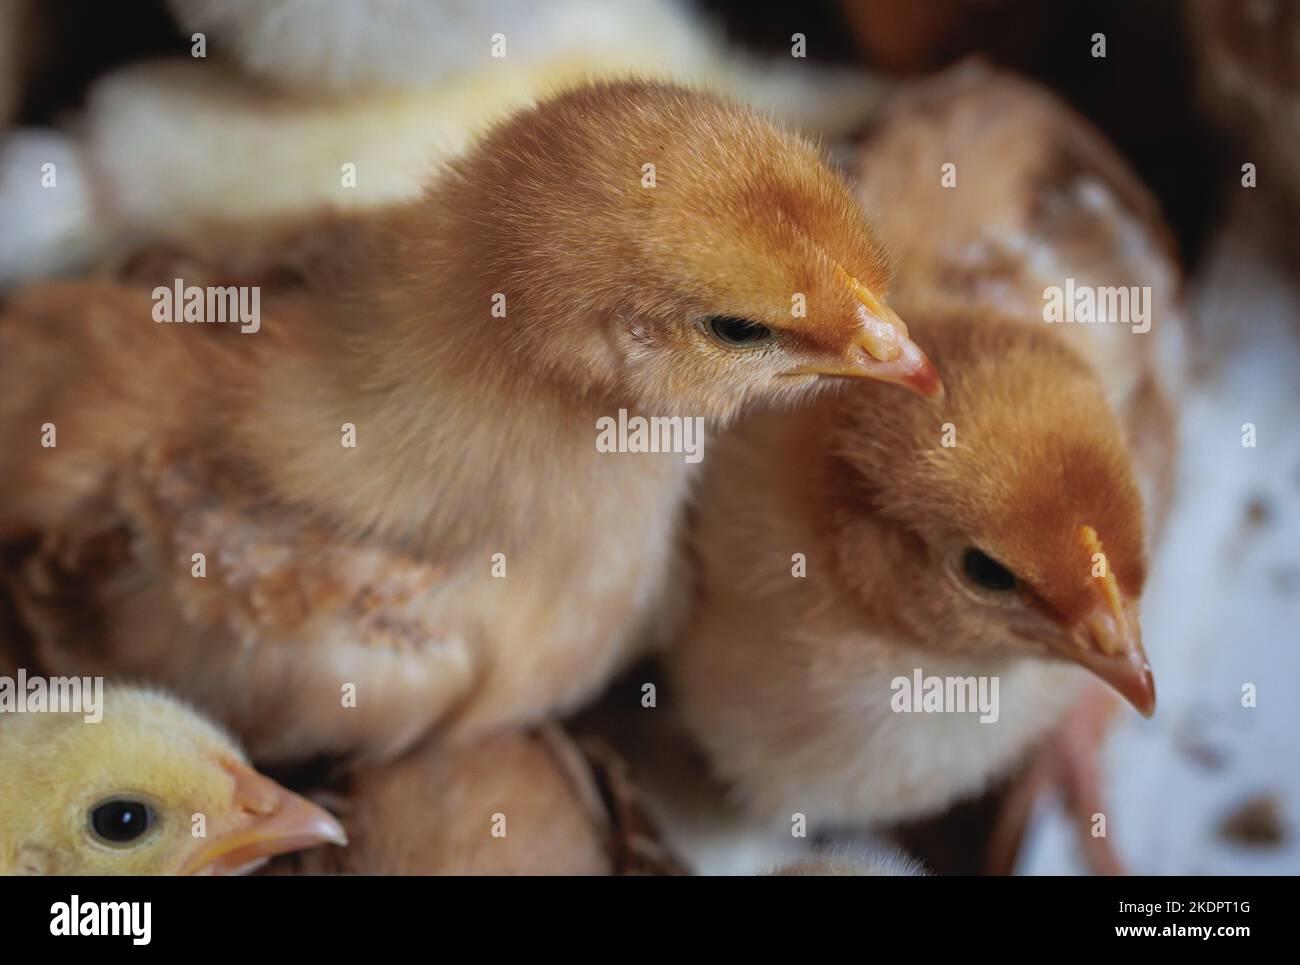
786, 682
474, 560
514, 803
391, 86
123, 796
966, 560
1035, 197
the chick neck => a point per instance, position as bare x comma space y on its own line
460, 439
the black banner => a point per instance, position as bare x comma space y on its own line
333, 915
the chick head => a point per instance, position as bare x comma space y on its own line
1010, 508
676, 249
152, 788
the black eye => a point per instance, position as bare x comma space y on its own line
986, 572
121, 820
738, 331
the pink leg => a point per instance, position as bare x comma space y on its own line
1068, 760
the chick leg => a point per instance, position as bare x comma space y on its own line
1069, 762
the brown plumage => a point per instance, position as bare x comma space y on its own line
998, 534
330, 568
1039, 196
533, 803
786, 681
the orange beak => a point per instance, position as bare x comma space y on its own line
1108, 641
881, 348
270, 820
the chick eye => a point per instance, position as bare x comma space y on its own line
986, 572
738, 331
121, 821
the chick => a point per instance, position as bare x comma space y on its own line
514, 803
475, 559
975, 560
319, 92
471, 59
497, 806
150, 789
995, 193
1010, 196
1014, 549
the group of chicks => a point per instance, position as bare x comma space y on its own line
378, 532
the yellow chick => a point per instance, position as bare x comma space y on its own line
150, 789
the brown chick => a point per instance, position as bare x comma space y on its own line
973, 560
513, 803
151, 788
474, 559
1012, 199
994, 192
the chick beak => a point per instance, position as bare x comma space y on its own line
1110, 646
881, 348
1108, 639
270, 820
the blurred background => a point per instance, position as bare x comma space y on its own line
172, 119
